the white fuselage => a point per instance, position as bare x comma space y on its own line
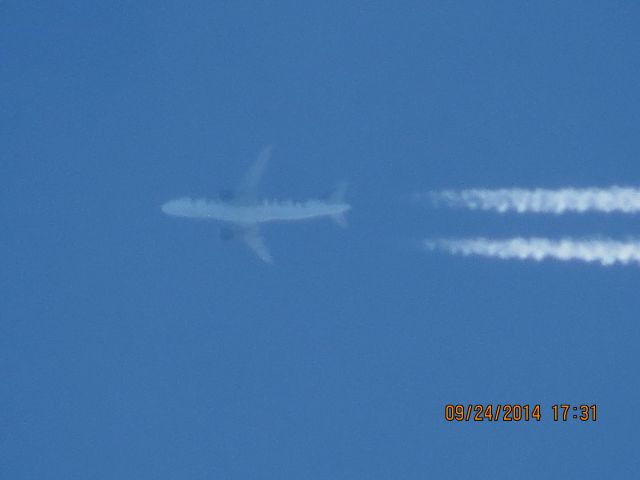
266, 211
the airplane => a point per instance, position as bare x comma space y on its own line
243, 213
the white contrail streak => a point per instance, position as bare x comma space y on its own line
605, 251
579, 200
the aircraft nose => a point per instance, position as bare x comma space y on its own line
168, 208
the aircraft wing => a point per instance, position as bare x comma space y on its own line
247, 190
253, 238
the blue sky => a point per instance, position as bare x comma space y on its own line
133, 345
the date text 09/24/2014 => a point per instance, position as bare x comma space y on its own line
514, 412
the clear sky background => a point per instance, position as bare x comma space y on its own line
134, 345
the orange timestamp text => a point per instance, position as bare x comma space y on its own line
516, 412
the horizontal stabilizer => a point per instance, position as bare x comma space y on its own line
340, 219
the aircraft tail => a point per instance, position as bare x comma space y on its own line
338, 197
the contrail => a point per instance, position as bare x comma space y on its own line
605, 251
579, 200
